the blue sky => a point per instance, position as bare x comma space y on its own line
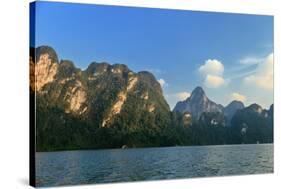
229, 55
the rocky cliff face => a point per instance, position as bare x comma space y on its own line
252, 124
231, 109
197, 103
102, 96
77, 91
109, 106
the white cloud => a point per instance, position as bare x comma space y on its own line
213, 81
173, 98
237, 96
263, 78
212, 67
212, 71
162, 82
182, 95
251, 60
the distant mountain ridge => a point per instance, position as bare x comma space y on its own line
110, 106
197, 103
252, 124
232, 108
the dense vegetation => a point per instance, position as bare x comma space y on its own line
58, 131
145, 119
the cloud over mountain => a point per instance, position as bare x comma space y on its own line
212, 67
212, 71
213, 81
263, 78
182, 95
238, 97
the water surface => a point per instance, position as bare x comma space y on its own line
120, 165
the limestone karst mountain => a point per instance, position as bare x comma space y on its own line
252, 124
101, 96
231, 109
110, 106
197, 103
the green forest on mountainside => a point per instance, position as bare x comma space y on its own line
144, 120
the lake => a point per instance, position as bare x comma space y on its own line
124, 165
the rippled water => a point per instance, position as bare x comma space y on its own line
117, 165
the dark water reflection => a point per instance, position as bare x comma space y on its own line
117, 165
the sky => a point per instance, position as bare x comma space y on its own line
229, 55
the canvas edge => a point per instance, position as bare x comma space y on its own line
32, 128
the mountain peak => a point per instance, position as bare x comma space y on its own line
46, 50
198, 93
232, 108
198, 90
197, 103
257, 108
236, 103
